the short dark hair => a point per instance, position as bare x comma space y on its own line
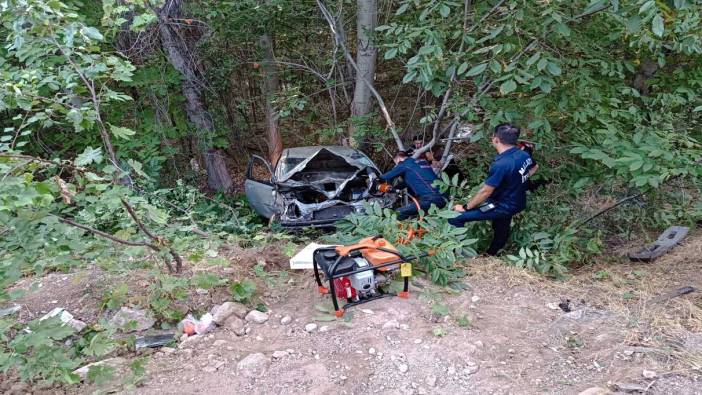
507, 133
418, 137
401, 154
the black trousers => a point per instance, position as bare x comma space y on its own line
501, 223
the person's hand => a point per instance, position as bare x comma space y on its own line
459, 208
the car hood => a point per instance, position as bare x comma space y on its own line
351, 156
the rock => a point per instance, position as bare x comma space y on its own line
392, 324
471, 368
553, 306
574, 315
10, 310
478, 344
114, 363
190, 341
256, 316
367, 311
628, 387
221, 313
236, 325
404, 327
430, 380
475, 298
417, 341
649, 374
19, 388
310, 327
253, 365
132, 320
280, 354
324, 328
168, 350
220, 343
285, 320
595, 391
66, 318
201, 291
403, 368
371, 351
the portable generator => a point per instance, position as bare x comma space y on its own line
359, 272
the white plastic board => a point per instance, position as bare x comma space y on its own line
303, 259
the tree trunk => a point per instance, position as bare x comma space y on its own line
180, 57
366, 54
270, 88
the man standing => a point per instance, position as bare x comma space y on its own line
504, 192
418, 176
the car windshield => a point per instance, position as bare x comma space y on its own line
289, 163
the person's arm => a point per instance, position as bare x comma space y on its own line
497, 174
482, 195
533, 169
396, 171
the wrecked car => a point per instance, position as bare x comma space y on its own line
313, 186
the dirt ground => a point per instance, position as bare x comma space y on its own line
505, 334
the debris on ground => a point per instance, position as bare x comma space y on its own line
113, 363
665, 242
66, 318
256, 316
674, 294
154, 341
192, 326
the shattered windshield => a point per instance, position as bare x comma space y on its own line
288, 164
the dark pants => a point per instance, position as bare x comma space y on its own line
425, 202
501, 222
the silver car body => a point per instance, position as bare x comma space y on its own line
314, 186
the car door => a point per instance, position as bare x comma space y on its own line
259, 186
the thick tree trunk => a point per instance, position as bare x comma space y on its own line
366, 54
270, 88
180, 57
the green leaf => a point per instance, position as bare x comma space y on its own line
88, 156
402, 9
121, 132
391, 53
508, 87
554, 69
92, 33
658, 26
444, 10
476, 70
462, 68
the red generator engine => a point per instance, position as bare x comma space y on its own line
358, 272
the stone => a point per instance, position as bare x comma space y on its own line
595, 391
471, 368
280, 354
475, 298
190, 341
392, 324
168, 350
628, 387
553, 306
371, 351
430, 380
257, 317
324, 328
201, 291
649, 374
132, 320
221, 313
253, 365
236, 325
10, 310
417, 341
478, 344
310, 327
367, 311
66, 318
285, 320
220, 343
403, 368
114, 363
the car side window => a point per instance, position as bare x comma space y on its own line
259, 170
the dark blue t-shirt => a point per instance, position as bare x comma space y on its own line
417, 174
509, 173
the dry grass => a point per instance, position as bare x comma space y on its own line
672, 328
